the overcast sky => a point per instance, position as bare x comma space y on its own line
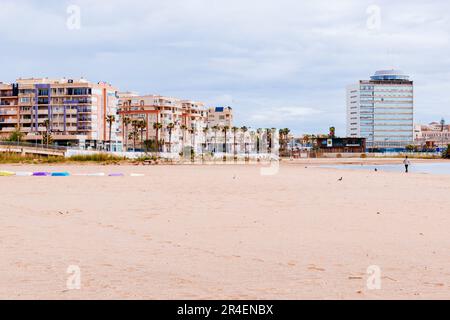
278, 63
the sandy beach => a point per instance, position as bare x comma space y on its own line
224, 232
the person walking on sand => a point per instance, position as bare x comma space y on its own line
407, 163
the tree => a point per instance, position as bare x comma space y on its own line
126, 122
183, 138
258, 139
47, 133
135, 133
446, 153
215, 129
142, 125
170, 128
205, 145
284, 135
157, 126
234, 130
16, 135
225, 130
110, 119
192, 132
244, 130
47, 138
306, 139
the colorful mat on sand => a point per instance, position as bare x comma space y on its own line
60, 174
24, 174
41, 174
116, 175
137, 175
6, 173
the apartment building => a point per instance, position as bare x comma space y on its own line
220, 116
434, 134
162, 118
381, 110
73, 112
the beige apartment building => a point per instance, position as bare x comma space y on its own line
180, 123
432, 135
220, 116
157, 115
73, 112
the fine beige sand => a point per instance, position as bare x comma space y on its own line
224, 232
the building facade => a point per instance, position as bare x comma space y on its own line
71, 112
432, 135
381, 110
220, 116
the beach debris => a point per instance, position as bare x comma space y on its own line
342, 178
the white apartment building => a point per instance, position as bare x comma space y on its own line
382, 110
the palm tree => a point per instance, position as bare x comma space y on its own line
125, 122
205, 145
225, 130
110, 119
215, 129
170, 127
244, 130
284, 133
234, 130
192, 132
183, 131
157, 126
47, 135
142, 125
258, 139
306, 139
133, 135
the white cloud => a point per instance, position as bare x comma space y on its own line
283, 114
259, 52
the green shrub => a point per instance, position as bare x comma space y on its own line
446, 153
97, 157
12, 157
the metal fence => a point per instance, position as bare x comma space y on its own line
32, 145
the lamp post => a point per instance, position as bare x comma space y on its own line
442, 132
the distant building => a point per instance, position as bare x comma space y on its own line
432, 135
181, 121
73, 112
381, 110
220, 116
